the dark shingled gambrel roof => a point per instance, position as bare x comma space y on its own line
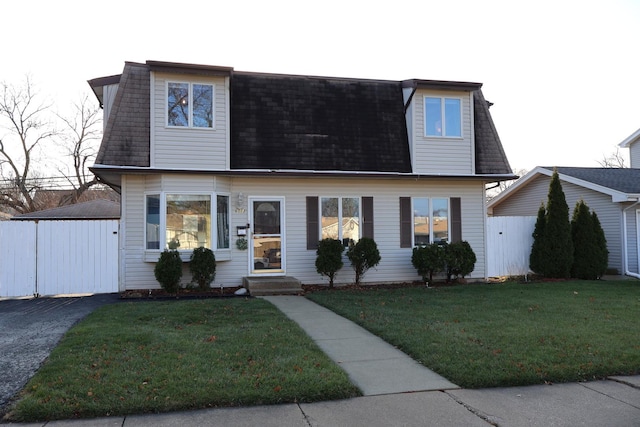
315, 123
625, 180
490, 156
304, 123
126, 140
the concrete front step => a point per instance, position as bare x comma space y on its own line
270, 285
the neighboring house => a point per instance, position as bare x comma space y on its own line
92, 210
613, 193
206, 155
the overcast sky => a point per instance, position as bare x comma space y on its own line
564, 76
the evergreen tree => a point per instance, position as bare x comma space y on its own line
601, 240
558, 247
586, 253
536, 259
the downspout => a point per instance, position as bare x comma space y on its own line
624, 238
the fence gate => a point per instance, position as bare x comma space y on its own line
58, 257
509, 240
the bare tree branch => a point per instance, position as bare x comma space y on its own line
82, 132
614, 160
23, 116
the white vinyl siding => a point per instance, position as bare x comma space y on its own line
188, 147
447, 155
526, 202
395, 265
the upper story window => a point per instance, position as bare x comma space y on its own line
187, 221
442, 117
190, 105
340, 218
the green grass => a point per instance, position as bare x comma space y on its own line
506, 334
139, 357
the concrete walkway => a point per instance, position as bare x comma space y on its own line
373, 365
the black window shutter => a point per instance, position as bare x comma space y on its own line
313, 228
367, 217
405, 222
456, 219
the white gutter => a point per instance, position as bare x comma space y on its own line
624, 238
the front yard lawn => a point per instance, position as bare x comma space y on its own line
505, 334
138, 357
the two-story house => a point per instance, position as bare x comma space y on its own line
209, 156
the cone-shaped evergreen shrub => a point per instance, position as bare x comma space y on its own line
536, 259
557, 244
601, 241
585, 248
363, 256
329, 258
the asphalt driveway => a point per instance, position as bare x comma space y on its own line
30, 329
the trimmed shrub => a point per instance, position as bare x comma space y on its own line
203, 267
168, 270
329, 258
428, 260
460, 259
363, 256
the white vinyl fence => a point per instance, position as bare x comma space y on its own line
509, 240
58, 257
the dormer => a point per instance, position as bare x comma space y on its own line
190, 120
440, 121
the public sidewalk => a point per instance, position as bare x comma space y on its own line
373, 365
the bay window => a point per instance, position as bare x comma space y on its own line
187, 221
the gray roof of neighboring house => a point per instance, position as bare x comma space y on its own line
94, 209
625, 180
289, 122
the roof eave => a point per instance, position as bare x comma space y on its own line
634, 137
111, 174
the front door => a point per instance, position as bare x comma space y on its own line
267, 225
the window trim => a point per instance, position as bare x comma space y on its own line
442, 116
340, 217
190, 96
407, 226
314, 219
162, 229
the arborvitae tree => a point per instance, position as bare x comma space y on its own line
586, 252
601, 240
558, 247
536, 259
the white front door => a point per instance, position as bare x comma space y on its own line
267, 236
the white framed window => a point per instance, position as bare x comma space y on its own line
185, 221
190, 105
443, 117
431, 220
340, 219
